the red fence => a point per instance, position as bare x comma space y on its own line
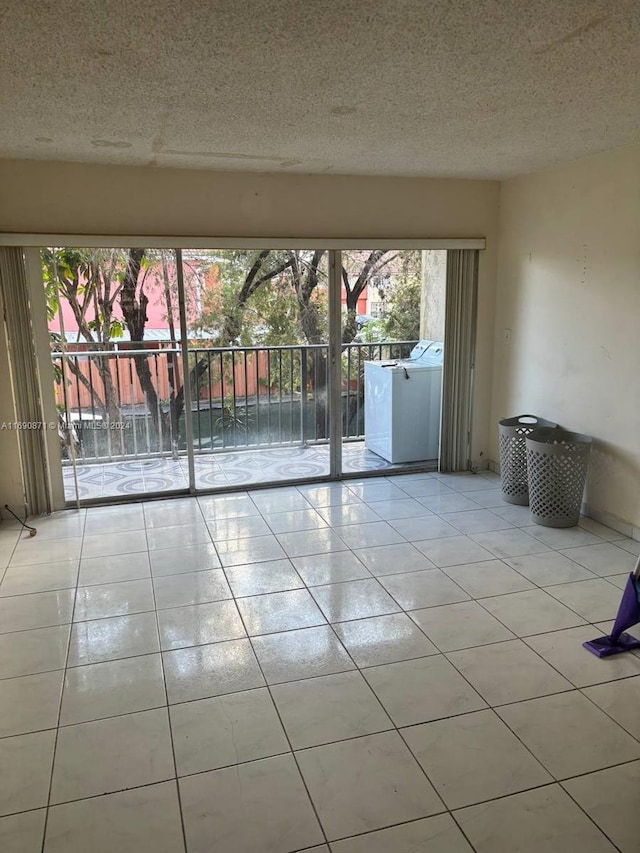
87, 371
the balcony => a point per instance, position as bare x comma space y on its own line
258, 415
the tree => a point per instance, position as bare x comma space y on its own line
269, 297
402, 322
232, 311
243, 290
242, 302
134, 301
94, 283
84, 278
358, 270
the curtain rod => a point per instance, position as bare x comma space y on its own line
98, 241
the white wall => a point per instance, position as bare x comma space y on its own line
68, 198
569, 291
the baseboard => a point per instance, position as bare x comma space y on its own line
606, 518
481, 465
612, 521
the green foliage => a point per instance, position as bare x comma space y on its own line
402, 322
116, 327
270, 316
58, 266
89, 281
240, 418
373, 331
254, 298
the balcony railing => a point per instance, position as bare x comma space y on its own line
125, 403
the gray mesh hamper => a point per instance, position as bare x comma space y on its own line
557, 461
513, 456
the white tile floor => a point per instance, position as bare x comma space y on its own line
386, 665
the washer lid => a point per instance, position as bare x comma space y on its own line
415, 366
428, 352
406, 367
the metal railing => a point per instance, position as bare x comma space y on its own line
125, 403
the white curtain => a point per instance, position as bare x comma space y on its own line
24, 379
459, 355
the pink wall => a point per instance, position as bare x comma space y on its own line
156, 309
196, 279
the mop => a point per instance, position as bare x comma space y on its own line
628, 615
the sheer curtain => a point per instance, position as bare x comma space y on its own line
25, 380
459, 355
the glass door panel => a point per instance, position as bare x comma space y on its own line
257, 348
114, 331
391, 411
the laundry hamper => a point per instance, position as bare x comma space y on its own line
513, 456
557, 463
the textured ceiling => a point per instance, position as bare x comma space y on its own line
473, 88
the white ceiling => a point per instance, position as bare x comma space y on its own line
451, 88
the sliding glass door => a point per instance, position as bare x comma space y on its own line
183, 371
247, 327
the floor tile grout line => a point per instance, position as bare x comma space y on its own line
442, 568
369, 475
447, 566
492, 710
61, 701
310, 589
542, 658
391, 729
574, 687
585, 812
283, 684
460, 826
169, 722
278, 683
103, 794
581, 690
571, 689
400, 611
393, 724
555, 780
390, 521
535, 589
392, 826
500, 796
492, 707
286, 734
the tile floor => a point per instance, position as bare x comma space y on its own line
383, 665
218, 470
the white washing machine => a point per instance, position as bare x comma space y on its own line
402, 405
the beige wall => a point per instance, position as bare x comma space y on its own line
569, 291
11, 486
433, 292
79, 199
